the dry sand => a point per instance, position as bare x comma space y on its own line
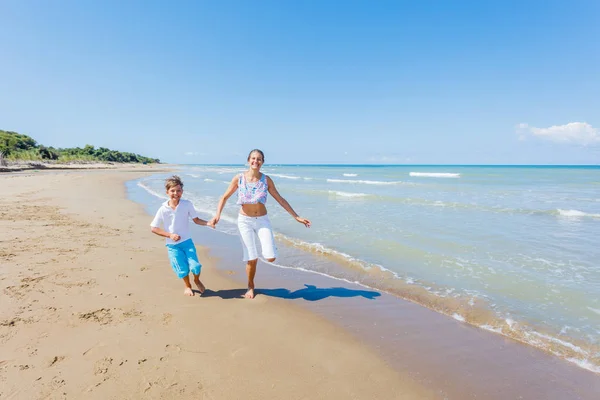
91, 309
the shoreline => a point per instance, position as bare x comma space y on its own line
449, 356
314, 258
92, 308
95, 300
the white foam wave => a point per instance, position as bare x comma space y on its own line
594, 310
585, 364
458, 317
560, 342
491, 328
208, 180
435, 174
347, 194
285, 176
350, 174
576, 214
533, 338
319, 273
151, 191
200, 206
365, 182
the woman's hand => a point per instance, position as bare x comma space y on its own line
214, 221
303, 221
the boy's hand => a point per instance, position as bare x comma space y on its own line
210, 224
174, 237
214, 221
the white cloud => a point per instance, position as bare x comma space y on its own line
572, 133
191, 153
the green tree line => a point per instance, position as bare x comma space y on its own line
15, 146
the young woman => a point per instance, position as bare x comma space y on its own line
252, 187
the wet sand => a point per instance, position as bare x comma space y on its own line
452, 358
90, 308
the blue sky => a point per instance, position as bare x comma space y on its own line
442, 82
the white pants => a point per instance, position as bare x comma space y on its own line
249, 228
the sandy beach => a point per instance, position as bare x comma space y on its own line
90, 308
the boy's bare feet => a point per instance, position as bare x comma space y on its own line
188, 291
250, 293
199, 285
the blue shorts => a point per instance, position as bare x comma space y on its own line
183, 258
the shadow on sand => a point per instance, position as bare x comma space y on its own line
309, 293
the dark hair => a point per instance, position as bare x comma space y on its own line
173, 181
256, 151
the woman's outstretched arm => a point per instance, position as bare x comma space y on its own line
284, 203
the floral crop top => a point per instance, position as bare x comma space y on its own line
252, 192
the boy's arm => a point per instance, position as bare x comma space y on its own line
155, 228
173, 236
194, 216
203, 222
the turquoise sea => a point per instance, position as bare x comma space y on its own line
510, 249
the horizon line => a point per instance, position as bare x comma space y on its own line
397, 165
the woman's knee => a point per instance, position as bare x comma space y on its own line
271, 259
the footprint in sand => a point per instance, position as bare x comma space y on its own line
55, 360
102, 316
101, 366
133, 313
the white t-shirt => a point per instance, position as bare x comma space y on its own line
177, 220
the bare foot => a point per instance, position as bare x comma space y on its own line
199, 285
250, 293
188, 291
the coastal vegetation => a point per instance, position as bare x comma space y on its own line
19, 147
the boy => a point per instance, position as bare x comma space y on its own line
174, 215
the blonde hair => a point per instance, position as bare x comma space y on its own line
173, 181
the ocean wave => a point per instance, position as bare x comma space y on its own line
576, 214
594, 310
347, 194
320, 249
152, 191
285, 176
350, 175
435, 174
366, 182
476, 311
